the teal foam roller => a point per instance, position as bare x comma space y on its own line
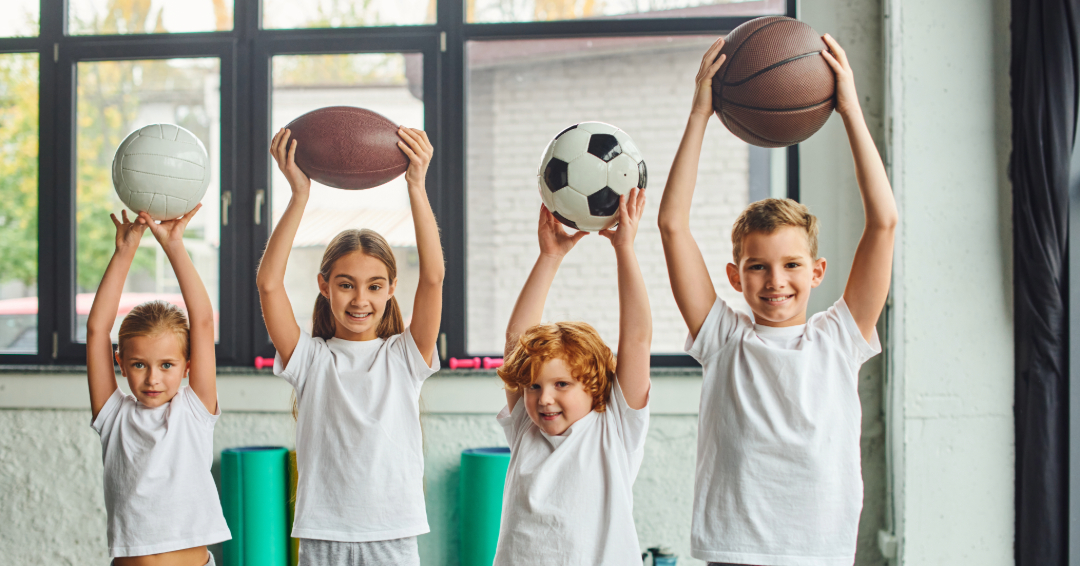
483, 475
255, 499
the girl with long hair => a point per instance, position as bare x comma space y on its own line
357, 377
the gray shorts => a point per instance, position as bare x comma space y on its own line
395, 552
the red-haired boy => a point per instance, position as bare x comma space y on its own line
574, 418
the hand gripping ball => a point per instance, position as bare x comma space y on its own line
585, 170
162, 169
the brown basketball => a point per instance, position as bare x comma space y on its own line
347, 148
775, 89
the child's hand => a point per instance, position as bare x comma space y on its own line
710, 64
554, 241
169, 232
128, 233
631, 207
285, 155
416, 146
847, 100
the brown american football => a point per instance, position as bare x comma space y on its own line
347, 147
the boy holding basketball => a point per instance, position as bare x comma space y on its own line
778, 477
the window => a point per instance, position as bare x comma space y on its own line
108, 17
21, 19
546, 10
377, 81
518, 99
19, 193
115, 98
491, 81
282, 14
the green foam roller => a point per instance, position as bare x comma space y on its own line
254, 497
483, 475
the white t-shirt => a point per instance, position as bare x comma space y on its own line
778, 464
159, 493
359, 453
569, 499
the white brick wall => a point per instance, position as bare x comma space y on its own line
513, 112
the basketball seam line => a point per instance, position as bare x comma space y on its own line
771, 67
748, 107
739, 48
167, 157
757, 135
160, 175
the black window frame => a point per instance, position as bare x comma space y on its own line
245, 54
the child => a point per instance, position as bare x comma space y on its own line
158, 443
357, 378
778, 474
575, 421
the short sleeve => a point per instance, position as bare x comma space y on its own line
192, 403
513, 422
840, 325
300, 362
418, 368
722, 323
107, 415
634, 423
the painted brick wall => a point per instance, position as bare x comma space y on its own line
515, 110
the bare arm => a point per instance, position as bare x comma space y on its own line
99, 347
690, 280
277, 310
427, 306
635, 318
202, 365
529, 308
871, 270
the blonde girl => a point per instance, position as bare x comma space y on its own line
357, 377
156, 443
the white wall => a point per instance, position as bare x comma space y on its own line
951, 420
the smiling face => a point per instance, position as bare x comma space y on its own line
556, 400
776, 274
358, 289
154, 366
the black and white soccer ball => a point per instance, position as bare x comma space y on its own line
583, 172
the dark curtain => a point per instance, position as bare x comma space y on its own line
1044, 101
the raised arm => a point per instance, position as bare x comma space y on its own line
202, 365
427, 306
690, 280
871, 270
635, 318
99, 350
277, 310
529, 308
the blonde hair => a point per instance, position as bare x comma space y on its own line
154, 318
576, 343
770, 214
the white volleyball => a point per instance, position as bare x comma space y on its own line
162, 169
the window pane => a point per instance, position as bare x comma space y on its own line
107, 17
487, 11
517, 102
19, 193
287, 14
23, 18
114, 99
387, 83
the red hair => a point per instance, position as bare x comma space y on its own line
576, 343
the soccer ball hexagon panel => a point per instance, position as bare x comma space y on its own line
583, 172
